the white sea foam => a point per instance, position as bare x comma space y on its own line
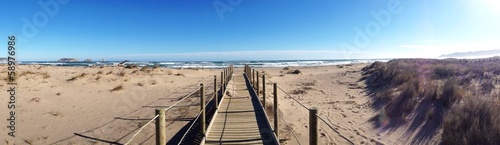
216, 64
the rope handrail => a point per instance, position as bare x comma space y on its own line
151, 120
289, 95
286, 124
269, 80
322, 119
293, 98
331, 127
143, 126
191, 126
197, 116
289, 128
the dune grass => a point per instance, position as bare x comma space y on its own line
443, 91
117, 88
76, 77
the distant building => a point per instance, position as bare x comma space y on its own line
68, 60
88, 60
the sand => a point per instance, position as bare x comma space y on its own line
53, 108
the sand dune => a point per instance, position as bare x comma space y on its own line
76, 105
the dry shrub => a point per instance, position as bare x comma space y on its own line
131, 66
45, 75
309, 83
55, 113
76, 77
99, 72
144, 68
286, 68
169, 72
98, 78
307, 88
439, 86
298, 91
487, 86
36, 99
72, 79
110, 72
451, 93
29, 141
122, 73
402, 105
295, 72
443, 72
179, 74
26, 73
476, 121
117, 88
140, 84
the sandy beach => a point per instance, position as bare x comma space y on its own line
77, 105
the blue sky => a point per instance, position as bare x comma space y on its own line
248, 29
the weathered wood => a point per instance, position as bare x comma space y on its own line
222, 84
253, 78
276, 126
257, 84
216, 95
202, 108
237, 121
264, 91
161, 130
313, 126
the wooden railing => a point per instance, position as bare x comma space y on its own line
159, 117
255, 80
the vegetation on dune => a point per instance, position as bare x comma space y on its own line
76, 77
456, 95
117, 88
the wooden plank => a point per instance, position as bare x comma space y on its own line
236, 121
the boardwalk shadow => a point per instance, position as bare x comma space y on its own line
190, 133
97, 139
123, 117
266, 132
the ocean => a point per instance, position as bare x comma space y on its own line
210, 64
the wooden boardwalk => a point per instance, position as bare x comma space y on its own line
240, 118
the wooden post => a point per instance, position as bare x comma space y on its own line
276, 119
216, 95
264, 92
313, 126
257, 84
161, 130
253, 78
222, 83
202, 108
